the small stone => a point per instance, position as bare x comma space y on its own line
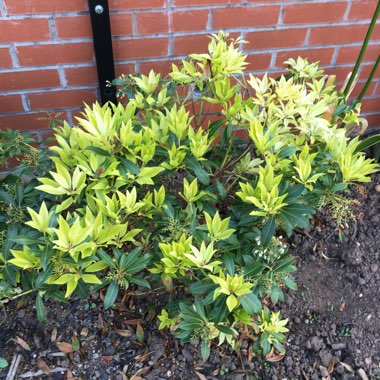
187, 355
316, 343
338, 346
362, 374
169, 373
377, 188
324, 371
374, 268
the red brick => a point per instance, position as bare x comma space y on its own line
349, 54
244, 16
152, 22
275, 39
45, 6
193, 3
342, 72
141, 48
314, 13
5, 58
362, 9
10, 104
370, 105
162, 67
184, 45
186, 21
55, 54
25, 80
73, 27
121, 24
373, 120
340, 34
24, 30
323, 55
81, 76
124, 68
136, 4
27, 121
61, 99
258, 62
358, 88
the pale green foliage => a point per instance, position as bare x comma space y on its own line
152, 186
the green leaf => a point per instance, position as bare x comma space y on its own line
3, 363
41, 310
195, 166
253, 269
205, 350
106, 258
250, 303
369, 141
25, 240
229, 263
202, 287
225, 329
99, 151
43, 276
9, 275
7, 198
268, 231
215, 126
290, 283
130, 166
140, 282
111, 295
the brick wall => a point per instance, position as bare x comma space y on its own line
47, 60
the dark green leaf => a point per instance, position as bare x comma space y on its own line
106, 258
225, 329
205, 350
99, 151
195, 166
41, 310
111, 295
268, 231
366, 143
202, 287
7, 198
43, 276
130, 166
250, 303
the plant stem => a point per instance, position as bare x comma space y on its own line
362, 50
367, 83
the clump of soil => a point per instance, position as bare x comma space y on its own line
334, 322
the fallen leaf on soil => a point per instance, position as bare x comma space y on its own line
70, 376
134, 377
342, 306
140, 334
84, 331
201, 376
362, 374
123, 375
65, 347
43, 366
107, 358
142, 370
215, 372
53, 335
133, 322
126, 333
100, 321
330, 368
275, 358
22, 343
347, 367
39, 373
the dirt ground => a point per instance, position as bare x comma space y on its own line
334, 322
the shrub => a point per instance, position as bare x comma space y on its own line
163, 189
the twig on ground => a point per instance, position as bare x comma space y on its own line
14, 366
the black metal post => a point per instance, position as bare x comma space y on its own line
101, 30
